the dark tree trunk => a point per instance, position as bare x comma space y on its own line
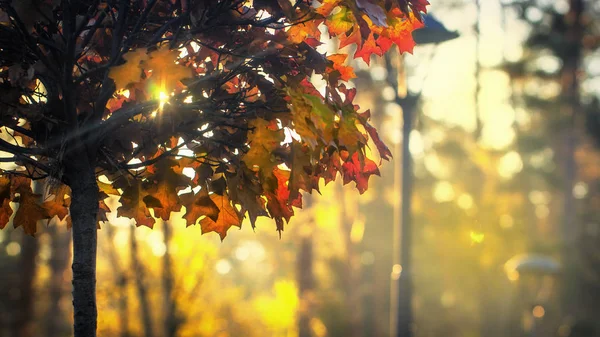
140, 282
59, 261
84, 213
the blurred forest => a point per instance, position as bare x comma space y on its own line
506, 200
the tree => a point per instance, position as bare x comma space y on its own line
168, 104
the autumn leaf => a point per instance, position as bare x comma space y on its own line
162, 188
130, 71
348, 134
299, 32
346, 73
166, 74
340, 22
198, 205
263, 139
279, 203
228, 217
369, 48
359, 172
59, 205
30, 211
5, 209
327, 6
133, 206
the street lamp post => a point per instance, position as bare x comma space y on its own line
433, 33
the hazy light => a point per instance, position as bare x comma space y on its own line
538, 311
476, 237
539, 197
242, 253
510, 164
513, 275
223, 266
580, 190
506, 221
443, 192
378, 73
465, 201
162, 98
367, 258
388, 93
396, 271
13, 249
542, 211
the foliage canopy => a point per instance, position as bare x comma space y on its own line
201, 104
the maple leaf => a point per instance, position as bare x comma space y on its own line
359, 171
348, 134
384, 151
198, 205
245, 190
162, 188
130, 71
346, 73
368, 48
340, 22
133, 206
166, 74
300, 179
299, 32
278, 201
5, 209
30, 211
327, 6
228, 217
59, 205
263, 140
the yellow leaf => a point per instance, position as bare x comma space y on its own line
130, 71
166, 74
263, 141
228, 217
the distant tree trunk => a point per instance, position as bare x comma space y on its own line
84, 213
140, 283
352, 278
304, 275
571, 60
24, 322
120, 280
171, 323
59, 261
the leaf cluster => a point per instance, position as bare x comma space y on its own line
202, 104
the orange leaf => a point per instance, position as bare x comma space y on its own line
130, 71
228, 217
197, 205
346, 72
5, 209
166, 74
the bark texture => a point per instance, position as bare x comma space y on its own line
84, 213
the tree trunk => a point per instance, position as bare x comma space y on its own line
140, 282
84, 213
171, 323
59, 261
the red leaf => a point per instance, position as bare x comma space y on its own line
354, 170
